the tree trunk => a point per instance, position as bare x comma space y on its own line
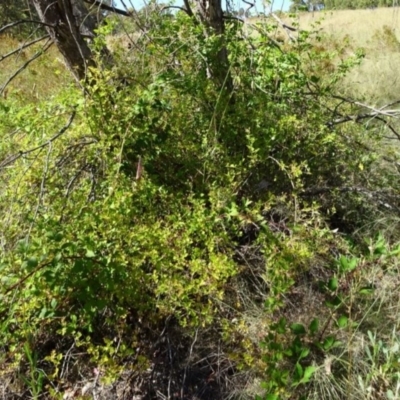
212, 16
68, 23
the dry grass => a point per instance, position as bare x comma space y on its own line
41, 79
377, 32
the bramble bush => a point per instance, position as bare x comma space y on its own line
137, 211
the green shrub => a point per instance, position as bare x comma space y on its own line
136, 209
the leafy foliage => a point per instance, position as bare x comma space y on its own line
133, 201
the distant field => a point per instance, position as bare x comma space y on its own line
377, 31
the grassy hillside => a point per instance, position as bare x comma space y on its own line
39, 80
377, 32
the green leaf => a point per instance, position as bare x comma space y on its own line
328, 343
90, 254
53, 303
342, 321
304, 353
314, 325
346, 264
271, 396
298, 329
32, 263
43, 312
333, 284
366, 290
335, 302
298, 373
308, 373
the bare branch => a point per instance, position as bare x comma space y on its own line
24, 21
287, 28
106, 7
178, 8
231, 17
378, 111
22, 47
20, 154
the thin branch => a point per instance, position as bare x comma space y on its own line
47, 45
176, 7
358, 118
22, 280
287, 28
42, 189
24, 21
106, 7
22, 47
20, 154
250, 6
188, 8
231, 17
378, 111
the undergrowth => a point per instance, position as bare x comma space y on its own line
157, 205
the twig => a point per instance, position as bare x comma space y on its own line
377, 111
15, 157
177, 8
232, 18
106, 7
287, 28
24, 21
187, 364
67, 357
24, 46
22, 280
250, 6
360, 117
